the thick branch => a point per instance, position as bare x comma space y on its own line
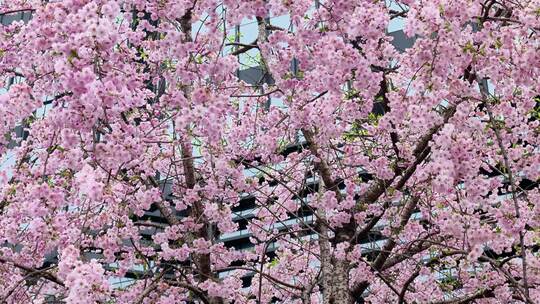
44, 274
504, 152
244, 47
379, 187
57, 97
150, 288
485, 293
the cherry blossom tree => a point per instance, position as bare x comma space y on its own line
123, 97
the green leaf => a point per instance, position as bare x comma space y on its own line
468, 47
273, 263
72, 55
498, 43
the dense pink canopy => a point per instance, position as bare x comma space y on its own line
138, 87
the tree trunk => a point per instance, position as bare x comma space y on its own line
341, 283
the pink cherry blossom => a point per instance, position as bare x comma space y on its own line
141, 163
